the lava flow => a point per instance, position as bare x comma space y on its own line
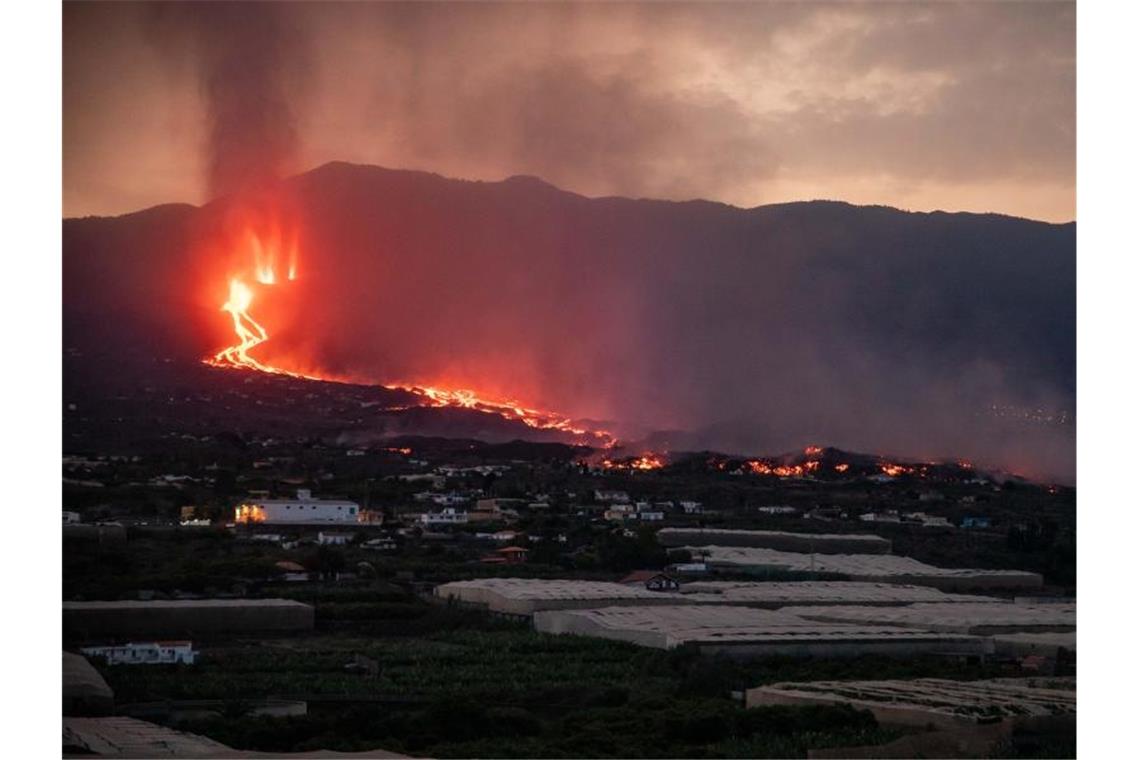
251, 333
647, 461
247, 329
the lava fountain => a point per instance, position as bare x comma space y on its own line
251, 334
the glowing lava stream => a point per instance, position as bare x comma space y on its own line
251, 334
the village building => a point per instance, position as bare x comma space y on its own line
448, 516
653, 580
304, 509
145, 653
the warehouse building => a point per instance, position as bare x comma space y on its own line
746, 632
303, 510
774, 595
880, 568
525, 596
184, 617
931, 701
820, 543
976, 619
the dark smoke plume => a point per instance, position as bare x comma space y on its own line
252, 61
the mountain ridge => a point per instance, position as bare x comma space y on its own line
535, 181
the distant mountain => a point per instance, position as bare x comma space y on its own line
748, 329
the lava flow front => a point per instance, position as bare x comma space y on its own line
250, 334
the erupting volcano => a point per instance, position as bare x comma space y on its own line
250, 334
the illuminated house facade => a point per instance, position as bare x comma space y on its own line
302, 510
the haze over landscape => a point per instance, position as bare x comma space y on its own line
698, 324
568, 379
923, 106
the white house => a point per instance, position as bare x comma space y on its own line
692, 507
449, 516
611, 497
70, 517
302, 510
882, 517
928, 521
333, 538
449, 499
145, 653
651, 516
781, 509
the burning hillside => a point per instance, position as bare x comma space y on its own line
512, 299
266, 256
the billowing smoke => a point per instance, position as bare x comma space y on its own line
749, 329
252, 63
753, 330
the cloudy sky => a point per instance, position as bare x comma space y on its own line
922, 106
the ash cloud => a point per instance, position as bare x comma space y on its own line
252, 63
920, 105
751, 329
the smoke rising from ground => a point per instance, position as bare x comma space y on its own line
252, 64
750, 330
914, 105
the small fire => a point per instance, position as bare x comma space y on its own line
760, 467
813, 451
647, 461
896, 470
842, 467
249, 513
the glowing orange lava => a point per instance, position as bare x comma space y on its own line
758, 467
250, 334
647, 461
508, 409
247, 329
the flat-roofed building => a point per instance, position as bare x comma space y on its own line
184, 617
820, 543
525, 596
932, 701
775, 595
303, 510
748, 632
881, 568
977, 619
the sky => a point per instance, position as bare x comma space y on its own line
921, 106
